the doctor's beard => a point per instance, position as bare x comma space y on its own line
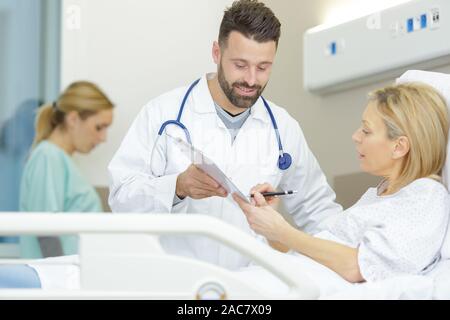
237, 100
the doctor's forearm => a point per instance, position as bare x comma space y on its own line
339, 258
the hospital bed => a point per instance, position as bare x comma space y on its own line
120, 257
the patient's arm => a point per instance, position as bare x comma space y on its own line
279, 246
339, 258
266, 221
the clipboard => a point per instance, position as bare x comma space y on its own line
201, 161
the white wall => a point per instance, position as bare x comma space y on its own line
328, 121
135, 50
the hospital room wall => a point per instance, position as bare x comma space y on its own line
327, 121
135, 50
140, 49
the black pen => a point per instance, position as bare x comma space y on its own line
275, 194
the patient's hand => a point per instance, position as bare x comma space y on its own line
266, 187
263, 219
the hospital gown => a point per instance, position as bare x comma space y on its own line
397, 234
52, 183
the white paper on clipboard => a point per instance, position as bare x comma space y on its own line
208, 166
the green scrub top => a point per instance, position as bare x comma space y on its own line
52, 183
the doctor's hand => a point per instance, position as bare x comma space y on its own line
266, 187
196, 184
263, 219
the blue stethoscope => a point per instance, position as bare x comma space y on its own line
284, 160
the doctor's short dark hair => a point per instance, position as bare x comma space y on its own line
252, 19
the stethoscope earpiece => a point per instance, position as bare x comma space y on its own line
284, 161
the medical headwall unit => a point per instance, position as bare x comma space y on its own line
380, 46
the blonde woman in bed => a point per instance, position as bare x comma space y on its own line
396, 228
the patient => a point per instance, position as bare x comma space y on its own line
397, 228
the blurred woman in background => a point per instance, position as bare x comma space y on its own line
51, 182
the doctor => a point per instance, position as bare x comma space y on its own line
252, 140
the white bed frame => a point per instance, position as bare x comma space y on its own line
121, 258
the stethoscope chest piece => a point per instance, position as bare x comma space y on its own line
284, 161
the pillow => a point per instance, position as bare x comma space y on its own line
445, 250
441, 82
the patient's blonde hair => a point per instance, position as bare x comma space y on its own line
83, 97
420, 113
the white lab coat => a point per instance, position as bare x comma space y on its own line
143, 184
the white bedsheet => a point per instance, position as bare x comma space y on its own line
58, 273
328, 281
441, 276
435, 285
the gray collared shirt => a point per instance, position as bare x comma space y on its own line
233, 123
